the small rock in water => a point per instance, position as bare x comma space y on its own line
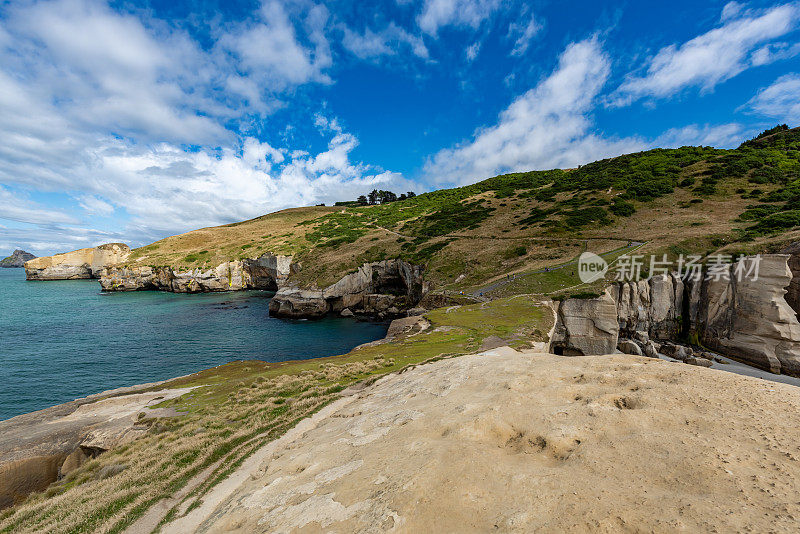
347, 312
650, 350
629, 347
702, 362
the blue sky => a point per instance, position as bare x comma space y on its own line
130, 121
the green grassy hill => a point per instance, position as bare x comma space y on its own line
690, 199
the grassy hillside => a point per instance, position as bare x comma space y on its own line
691, 199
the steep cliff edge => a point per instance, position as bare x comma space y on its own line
747, 319
78, 264
17, 259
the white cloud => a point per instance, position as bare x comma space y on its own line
711, 58
719, 136
103, 105
781, 100
387, 42
473, 50
437, 14
270, 53
730, 10
546, 127
522, 35
18, 208
95, 205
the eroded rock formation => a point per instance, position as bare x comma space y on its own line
383, 287
750, 319
745, 318
266, 272
38, 448
78, 264
586, 326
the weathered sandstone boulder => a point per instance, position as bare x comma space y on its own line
586, 326
78, 264
626, 346
293, 303
653, 306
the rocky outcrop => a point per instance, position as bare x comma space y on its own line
654, 306
749, 319
743, 317
17, 259
38, 448
266, 272
793, 291
586, 326
383, 287
78, 264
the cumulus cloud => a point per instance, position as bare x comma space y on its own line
546, 127
713, 57
781, 100
437, 14
132, 117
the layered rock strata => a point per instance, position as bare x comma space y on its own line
745, 318
78, 264
266, 272
384, 287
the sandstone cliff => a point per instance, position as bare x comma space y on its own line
17, 259
38, 448
749, 320
266, 272
383, 288
78, 264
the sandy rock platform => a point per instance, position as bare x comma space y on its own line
507, 441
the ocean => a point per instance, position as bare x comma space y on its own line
62, 340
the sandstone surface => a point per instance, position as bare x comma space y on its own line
266, 272
39, 447
78, 264
741, 315
586, 326
526, 442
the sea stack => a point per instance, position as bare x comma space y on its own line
17, 259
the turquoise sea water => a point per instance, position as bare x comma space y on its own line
65, 339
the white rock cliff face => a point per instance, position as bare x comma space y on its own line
266, 272
78, 264
749, 320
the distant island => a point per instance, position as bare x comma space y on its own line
17, 259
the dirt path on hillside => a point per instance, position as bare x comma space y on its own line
523, 442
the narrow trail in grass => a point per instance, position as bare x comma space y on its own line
511, 278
